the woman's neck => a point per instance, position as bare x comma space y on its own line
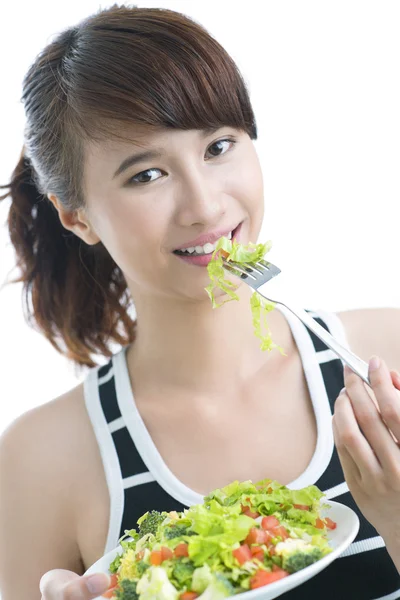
190, 345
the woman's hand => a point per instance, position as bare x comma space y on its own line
60, 584
367, 435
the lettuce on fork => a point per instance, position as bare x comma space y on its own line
260, 307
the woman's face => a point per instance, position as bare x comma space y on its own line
186, 190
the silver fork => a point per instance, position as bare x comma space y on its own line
260, 276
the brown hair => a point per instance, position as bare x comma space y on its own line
153, 67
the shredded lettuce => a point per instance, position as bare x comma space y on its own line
260, 307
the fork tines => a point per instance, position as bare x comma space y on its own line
255, 271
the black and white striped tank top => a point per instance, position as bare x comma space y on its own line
139, 480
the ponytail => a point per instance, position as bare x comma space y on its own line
74, 294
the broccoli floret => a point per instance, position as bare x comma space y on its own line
296, 554
126, 590
300, 559
115, 564
150, 522
175, 531
183, 572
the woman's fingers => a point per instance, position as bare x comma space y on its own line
370, 420
386, 394
351, 442
395, 379
60, 584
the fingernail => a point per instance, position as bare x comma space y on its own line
98, 583
342, 391
374, 363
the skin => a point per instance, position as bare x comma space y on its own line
238, 392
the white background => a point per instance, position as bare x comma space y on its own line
324, 81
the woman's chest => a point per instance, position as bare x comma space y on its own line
260, 434
267, 432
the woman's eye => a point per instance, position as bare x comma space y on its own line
220, 147
144, 176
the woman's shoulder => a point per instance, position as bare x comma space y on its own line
40, 467
48, 439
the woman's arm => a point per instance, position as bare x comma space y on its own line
36, 518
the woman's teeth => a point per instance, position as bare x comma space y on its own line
206, 249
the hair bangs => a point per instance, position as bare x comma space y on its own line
155, 74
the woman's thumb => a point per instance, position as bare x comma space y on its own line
60, 584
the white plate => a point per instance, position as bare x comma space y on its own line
339, 539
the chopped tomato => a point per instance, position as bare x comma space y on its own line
113, 586
319, 524
301, 506
188, 596
262, 578
256, 536
281, 531
182, 550
166, 553
246, 510
242, 554
156, 558
257, 552
269, 522
270, 535
330, 524
250, 513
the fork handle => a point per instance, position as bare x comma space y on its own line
355, 363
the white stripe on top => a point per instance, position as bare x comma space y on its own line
109, 457
138, 479
337, 490
106, 377
393, 596
363, 546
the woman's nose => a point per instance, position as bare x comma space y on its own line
200, 203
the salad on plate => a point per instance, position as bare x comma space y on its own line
243, 537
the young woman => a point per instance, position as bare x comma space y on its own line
138, 145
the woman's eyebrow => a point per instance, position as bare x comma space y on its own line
133, 159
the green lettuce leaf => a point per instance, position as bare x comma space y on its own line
260, 307
218, 528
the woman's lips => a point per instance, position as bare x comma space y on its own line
203, 259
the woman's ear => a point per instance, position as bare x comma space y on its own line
75, 221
